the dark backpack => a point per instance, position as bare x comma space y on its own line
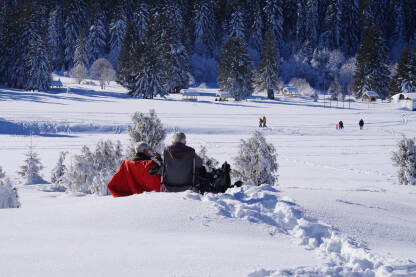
222, 181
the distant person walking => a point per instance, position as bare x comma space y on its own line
361, 123
264, 121
260, 122
341, 125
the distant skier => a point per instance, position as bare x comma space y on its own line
361, 123
341, 125
336, 126
264, 121
260, 122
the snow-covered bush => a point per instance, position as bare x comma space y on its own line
147, 128
78, 73
303, 86
209, 162
256, 162
103, 71
58, 173
90, 172
30, 171
8, 194
405, 159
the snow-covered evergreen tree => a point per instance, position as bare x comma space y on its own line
371, 72
274, 19
8, 194
118, 27
58, 173
204, 28
80, 55
97, 38
147, 128
234, 69
267, 73
55, 38
404, 80
141, 19
126, 62
350, 31
38, 73
30, 171
256, 162
307, 25
405, 159
331, 37
236, 26
256, 30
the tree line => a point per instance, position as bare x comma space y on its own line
157, 46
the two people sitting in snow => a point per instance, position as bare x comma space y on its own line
180, 169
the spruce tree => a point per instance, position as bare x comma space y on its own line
126, 62
38, 68
80, 55
97, 37
371, 72
274, 19
236, 26
234, 69
350, 31
204, 27
30, 171
267, 74
55, 38
256, 31
118, 28
404, 80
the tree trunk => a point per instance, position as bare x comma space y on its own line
270, 93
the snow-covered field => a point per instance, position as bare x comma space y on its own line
337, 209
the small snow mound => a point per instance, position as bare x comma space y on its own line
264, 205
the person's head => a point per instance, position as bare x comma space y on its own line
179, 137
142, 148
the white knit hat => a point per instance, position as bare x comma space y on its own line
179, 137
140, 147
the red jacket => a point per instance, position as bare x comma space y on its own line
134, 178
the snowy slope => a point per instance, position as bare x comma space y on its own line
344, 179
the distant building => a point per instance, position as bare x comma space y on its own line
370, 96
189, 95
406, 100
222, 96
289, 91
56, 83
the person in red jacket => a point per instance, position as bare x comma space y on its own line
133, 176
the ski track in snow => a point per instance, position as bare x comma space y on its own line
345, 257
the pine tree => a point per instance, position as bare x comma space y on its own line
38, 68
274, 19
256, 162
267, 74
31, 169
405, 159
371, 72
80, 54
8, 194
236, 25
404, 80
204, 28
256, 32
97, 38
126, 62
350, 31
234, 69
58, 173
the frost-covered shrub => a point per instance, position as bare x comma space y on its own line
303, 86
405, 159
90, 172
256, 162
8, 194
103, 71
78, 73
58, 173
209, 162
30, 171
147, 128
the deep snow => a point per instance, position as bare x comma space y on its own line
344, 179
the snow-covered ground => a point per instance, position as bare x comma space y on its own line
338, 207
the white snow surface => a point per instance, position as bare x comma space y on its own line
337, 210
